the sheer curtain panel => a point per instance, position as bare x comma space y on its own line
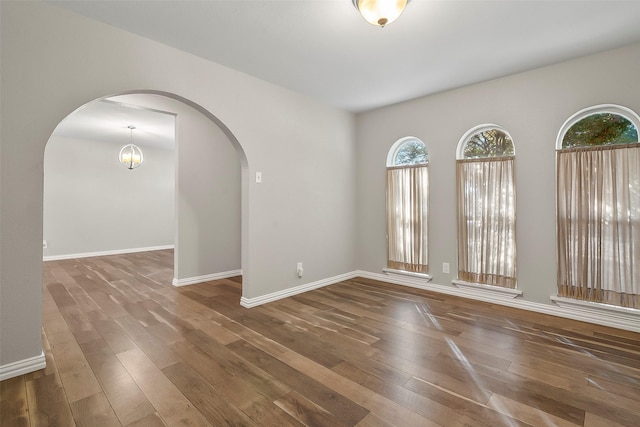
486, 221
407, 212
598, 208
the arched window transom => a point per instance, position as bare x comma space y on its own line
486, 141
599, 125
408, 151
600, 129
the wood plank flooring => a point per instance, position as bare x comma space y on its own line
126, 348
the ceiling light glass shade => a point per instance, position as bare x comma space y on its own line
380, 12
131, 156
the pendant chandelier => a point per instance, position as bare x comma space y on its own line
130, 155
380, 12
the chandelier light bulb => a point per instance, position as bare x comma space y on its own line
380, 12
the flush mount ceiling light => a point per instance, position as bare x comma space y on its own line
130, 155
380, 12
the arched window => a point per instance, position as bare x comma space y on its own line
407, 206
486, 207
598, 206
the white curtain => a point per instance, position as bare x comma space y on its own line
486, 221
598, 208
407, 212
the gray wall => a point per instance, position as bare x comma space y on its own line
53, 61
93, 204
532, 107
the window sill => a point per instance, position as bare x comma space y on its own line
478, 288
595, 307
392, 272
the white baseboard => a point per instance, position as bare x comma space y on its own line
253, 302
22, 367
104, 253
599, 314
206, 278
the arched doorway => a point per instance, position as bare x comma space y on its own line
209, 229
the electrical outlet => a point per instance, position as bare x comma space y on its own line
445, 267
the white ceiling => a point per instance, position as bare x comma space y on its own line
108, 121
324, 49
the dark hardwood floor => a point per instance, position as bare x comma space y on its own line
125, 347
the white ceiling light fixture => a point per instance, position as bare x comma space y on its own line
130, 155
380, 12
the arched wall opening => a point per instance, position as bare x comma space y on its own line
209, 195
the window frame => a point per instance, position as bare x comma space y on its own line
632, 117
390, 164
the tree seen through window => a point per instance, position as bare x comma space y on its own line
411, 152
600, 129
489, 143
